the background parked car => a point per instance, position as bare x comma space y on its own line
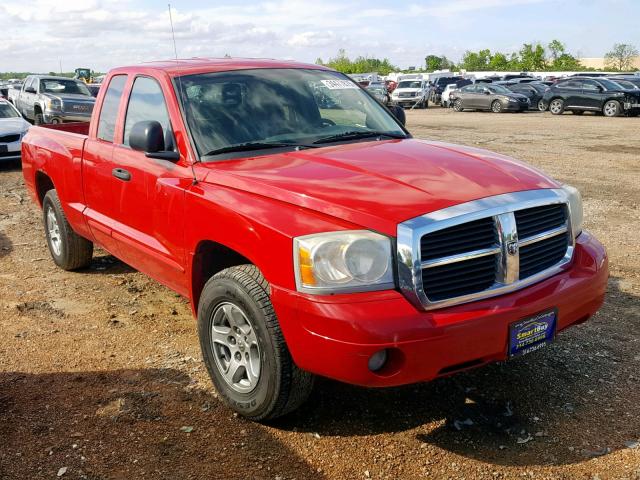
495, 98
47, 99
446, 95
12, 128
411, 93
600, 95
13, 92
630, 82
379, 92
533, 91
439, 85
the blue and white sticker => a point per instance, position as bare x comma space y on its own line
339, 84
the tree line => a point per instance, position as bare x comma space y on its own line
531, 57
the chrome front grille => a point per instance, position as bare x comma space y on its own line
484, 248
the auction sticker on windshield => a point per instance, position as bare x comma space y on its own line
533, 333
339, 84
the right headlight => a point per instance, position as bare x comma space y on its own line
575, 208
343, 262
53, 103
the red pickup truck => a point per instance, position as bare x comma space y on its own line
311, 232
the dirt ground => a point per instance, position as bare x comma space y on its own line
101, 377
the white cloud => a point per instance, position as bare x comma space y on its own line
37, 34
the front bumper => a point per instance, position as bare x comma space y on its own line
10, 151
334, 336
408, 102
51, 115
516, 107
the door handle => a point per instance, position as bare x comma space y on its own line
121, 173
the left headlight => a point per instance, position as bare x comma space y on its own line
575, 208
343, 262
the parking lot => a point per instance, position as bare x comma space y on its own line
101, 377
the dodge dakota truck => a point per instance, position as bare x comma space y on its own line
311, 233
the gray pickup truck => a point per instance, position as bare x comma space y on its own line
46, 99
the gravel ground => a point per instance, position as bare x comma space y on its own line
101, 377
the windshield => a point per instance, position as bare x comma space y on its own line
284, 106
61, 87
7, 111
410, 84
540, 87
625, 84
608, 84
499, 89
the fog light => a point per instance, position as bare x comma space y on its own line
377, 360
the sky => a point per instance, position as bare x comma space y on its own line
41, 35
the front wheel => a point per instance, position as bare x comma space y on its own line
496, 106
457, 105
69, 250
611, 108
556, 106
38, 119
244, 349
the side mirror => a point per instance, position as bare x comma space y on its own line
486, 92
600, 88
148, 137
30, 90
398, 112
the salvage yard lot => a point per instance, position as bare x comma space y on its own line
100, 370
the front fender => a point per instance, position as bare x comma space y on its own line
257, 227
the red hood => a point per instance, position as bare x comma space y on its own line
379, 184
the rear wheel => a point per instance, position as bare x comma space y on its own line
556, 106
244, 349
496, 106
541, 106
611, 108
69, 250
457, 105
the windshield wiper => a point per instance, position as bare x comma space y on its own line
245, 147
358, 134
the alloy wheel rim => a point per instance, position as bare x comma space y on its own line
555, 106
497, 107
54, 232
610, 109
235, 347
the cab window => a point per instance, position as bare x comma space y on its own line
109, 111
146, 103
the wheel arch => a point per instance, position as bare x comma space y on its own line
209, 258
43, 184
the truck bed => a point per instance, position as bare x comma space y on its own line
80, 128
56, 151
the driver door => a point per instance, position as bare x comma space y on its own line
149, 193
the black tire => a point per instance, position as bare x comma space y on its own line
69, 250
496, 106
281, 386
556, 106
612, 108
541, 106
38, 119
457, 105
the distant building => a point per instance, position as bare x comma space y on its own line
599, 62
